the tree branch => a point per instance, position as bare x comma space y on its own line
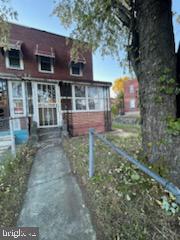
123, 13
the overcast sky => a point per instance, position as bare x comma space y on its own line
37, 14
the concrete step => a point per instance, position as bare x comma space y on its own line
49, 133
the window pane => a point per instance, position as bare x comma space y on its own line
106, 92
18, 106
95, 104
93, 92
66, 104
100, 91
80, 104
66, 90
17, 89
45, 64
80, 91
76, 68
14, 58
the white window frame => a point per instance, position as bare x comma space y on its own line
101, 109
7, 62
76, 75
44, 71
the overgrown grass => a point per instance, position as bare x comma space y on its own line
130, 128
14, 172
126, 203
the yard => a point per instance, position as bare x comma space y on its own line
124, 203
14, 173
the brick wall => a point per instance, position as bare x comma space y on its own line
128, 96
45, 40
81, 122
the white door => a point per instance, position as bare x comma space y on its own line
47, 101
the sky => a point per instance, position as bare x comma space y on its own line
38, 14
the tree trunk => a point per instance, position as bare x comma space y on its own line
157, 66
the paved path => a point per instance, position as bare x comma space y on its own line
53, 201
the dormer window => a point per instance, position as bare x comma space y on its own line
14, 58
76, 69
77, 65
45, 57
46, 64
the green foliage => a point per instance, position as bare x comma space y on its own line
6, 13
168, 85
174, 126
114, 109
14, 172
94, 22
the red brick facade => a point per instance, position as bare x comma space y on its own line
78, 121
30, 38
82, 121
131, 96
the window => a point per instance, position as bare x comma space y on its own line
95, 98
91, 98
132, 103
76, 69
46, 64
66, 96
14, 59
80, 97
131, 89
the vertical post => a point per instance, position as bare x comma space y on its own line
91, 152
13, 148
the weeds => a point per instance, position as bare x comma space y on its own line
126, 203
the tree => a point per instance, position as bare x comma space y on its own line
6, 13
118, 88
144, 28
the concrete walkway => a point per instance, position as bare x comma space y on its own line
53, 201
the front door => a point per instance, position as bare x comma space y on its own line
47, 105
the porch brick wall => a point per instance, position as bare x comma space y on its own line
82, 121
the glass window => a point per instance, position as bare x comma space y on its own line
80, 104
17, 89
66, 90
80, 91
46, 64
76, 69
66, 104
93, 92
14, 58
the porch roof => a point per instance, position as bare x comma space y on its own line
74, 81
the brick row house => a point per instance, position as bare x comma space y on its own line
131, 98
40, 80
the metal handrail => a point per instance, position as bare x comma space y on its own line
164, 182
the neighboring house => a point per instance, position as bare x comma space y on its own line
41, 81
131, 96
